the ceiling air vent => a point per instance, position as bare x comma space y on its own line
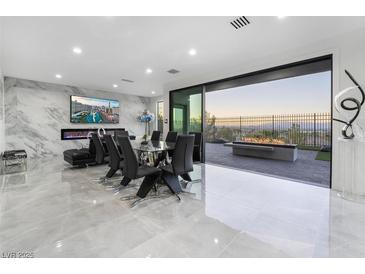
173, 71
127, 80
240, 22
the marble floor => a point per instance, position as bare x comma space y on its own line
56, 211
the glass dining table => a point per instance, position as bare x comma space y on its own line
150, 153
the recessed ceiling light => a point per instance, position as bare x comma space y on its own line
192, 52
115, 85
148, 71
59, 76
77, 50
127, 80
153, 92
173, 71
281, 17
59, 244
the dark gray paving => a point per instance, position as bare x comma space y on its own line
305, 168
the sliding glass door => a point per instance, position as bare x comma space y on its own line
288, 105
186, 110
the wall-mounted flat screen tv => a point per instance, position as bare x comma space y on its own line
89, 110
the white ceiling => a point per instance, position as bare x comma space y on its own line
37, 48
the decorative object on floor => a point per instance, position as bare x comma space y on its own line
14, 161
146, 117
352, 146
347, 131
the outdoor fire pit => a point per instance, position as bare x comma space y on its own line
272, 149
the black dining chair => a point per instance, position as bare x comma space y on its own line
155, 135
132, 170
171, 137
100, 154
120, 133
182, 163
116, 161
197, 146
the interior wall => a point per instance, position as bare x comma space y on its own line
2, 116
35, 112
152, 107
348, 53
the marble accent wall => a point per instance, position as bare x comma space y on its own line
35, 112
2, 118
2, 122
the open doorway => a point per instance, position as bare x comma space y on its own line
276, 121
291, 114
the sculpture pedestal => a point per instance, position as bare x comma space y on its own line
352, 169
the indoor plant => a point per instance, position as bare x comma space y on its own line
146, 117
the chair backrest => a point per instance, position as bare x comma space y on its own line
100, 152
155, 135
198, 138
120, 133
182, 159
171, 137
92, 149
114, 154
197, 146
130, 158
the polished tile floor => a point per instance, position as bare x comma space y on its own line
55, 211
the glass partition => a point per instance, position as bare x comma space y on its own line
160, 116
186, 110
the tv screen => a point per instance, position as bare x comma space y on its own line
89, 110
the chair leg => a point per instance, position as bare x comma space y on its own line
125, 181
106, 180
140, 200
172, 182
111, 173
148, 183
186, 177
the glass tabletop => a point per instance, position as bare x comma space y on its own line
153, 146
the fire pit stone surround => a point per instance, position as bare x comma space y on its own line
284, 152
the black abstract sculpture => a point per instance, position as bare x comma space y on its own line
347, 131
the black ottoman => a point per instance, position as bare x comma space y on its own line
78, 157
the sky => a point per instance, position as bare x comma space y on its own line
96, 101
303, 94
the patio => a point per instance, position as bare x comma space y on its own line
305, 168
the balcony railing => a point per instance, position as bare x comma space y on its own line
307, 130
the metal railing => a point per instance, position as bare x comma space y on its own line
307, 130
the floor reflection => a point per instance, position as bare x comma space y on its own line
56, 211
